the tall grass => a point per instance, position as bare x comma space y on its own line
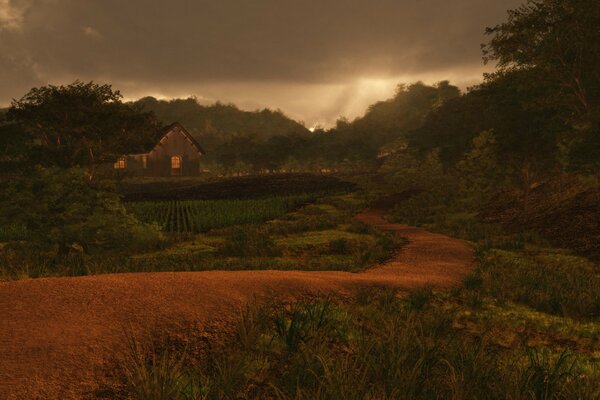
545, 280
379, 347
13, 232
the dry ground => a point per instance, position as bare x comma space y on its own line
58, 334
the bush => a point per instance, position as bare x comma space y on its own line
249, 243
338, 246
549, 282
62, 210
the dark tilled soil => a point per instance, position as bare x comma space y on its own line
245, 187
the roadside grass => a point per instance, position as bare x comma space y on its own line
522, 268
376, 345
321, 235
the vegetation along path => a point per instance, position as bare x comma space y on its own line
58, 335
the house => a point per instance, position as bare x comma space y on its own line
176, 154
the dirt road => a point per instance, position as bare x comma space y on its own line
57, 334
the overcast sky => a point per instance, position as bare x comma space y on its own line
316, 60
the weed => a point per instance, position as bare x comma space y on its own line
419, 298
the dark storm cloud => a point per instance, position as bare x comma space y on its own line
177, 46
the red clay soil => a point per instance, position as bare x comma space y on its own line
57, 334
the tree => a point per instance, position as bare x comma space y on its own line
560, 40
479, 171
61, 209
15, 146
82, 124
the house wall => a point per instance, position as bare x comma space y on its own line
175, 143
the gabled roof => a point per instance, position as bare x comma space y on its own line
177, 127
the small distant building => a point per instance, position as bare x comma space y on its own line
176, 154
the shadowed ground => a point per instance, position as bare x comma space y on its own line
57, 334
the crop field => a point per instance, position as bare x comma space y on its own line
195, 216
247, 187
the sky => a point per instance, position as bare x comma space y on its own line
316, 60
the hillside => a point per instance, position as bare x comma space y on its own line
222, 120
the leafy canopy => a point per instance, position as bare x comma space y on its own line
81, 124
62, 209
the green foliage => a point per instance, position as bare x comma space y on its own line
13, 232
381, 348
245, 243
16, 146
202, 215
479, 170
558, 38
240, 142
63, 209
338, 246
296, 240
81, 124
407, 171
543, 280
154, 375
305, 322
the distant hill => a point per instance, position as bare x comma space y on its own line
222, 120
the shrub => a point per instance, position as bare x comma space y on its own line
546, 281
248, 243
62, 209
338, 246
359, 227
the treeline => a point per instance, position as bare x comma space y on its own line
265, 141
536, 117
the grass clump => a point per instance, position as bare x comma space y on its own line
545, 280
380, 346
248, 243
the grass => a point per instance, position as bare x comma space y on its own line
546, 280
321, 235
315, 237
376, 345
13, 232
519, 267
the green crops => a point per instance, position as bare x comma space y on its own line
201, 215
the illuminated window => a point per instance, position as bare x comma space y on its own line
175, 165
121, 163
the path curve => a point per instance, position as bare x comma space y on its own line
56, 334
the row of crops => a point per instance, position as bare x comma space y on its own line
194, 216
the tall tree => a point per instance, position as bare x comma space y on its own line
82, 124
561, 39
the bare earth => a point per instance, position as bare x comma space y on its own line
57, 334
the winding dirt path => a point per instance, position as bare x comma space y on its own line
57, 334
